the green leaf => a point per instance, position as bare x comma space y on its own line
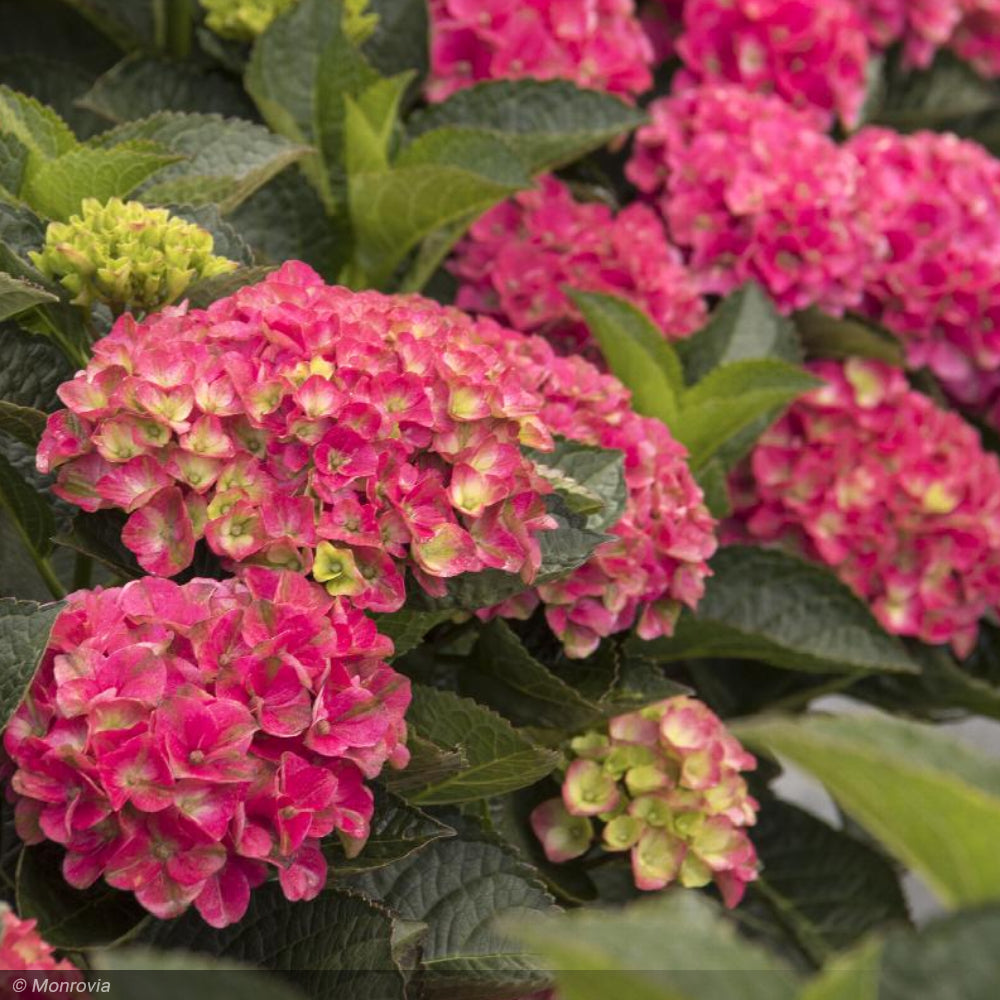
744, 326
499, 759
443, 176
336, 945
370, 123
13, 164
502, 673
71, 918
400, 41
24, 633
636, 351
206, 978
848, 336
591, 481
222, 160
142, 85
429, 764
397, 831
128, 23
20, 229
763, 604
24, 423
56, 188
408, 627
675, 946
34, 125
823, 888
714, 482
203, 293
18, 296
31, 369
930, 800
460, 888
99, 535
547, 123
30, 512
733, 398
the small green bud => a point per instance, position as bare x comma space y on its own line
244, 20
622, 833
127, 255
591, 745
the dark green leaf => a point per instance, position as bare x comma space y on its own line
400, 41
130, 24
767, 605
744, 326
930, 800
590, 480
226, 240
24, 633
826, 336
547, 123
407, 627
499, 759
460, 888
203, 293
24, 423
142, 85
429, 765
397, 831
30, 369
13, 163
17, 296
99, 535
20, 229
337, 945
29, 511
69, 918
222, 160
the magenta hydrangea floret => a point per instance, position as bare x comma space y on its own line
812, 53
896, 495
599, 44
934, 202
303, 426
656, 561
518, 258
184, 742
663, 784
23, 950
750, 189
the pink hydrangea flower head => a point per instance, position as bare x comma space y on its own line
750, 189
665, 785
182, 741
812, 53
518, 257
22, 950
897, 496
598, 44
977, 37
298, 425
655, 563
934, 201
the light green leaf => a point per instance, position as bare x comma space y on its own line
56, 188
745, 325
636, 351
37, 127
370, 122
219, 160
460, 888
18, 296
24, 633
24, 423
442, 177
732, 398
674, 946
763, 604
499, 759
547, 123
930, 800
397, 831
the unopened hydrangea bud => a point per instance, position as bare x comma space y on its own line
127, 255
244, 20
668, 789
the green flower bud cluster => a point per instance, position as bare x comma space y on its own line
127, 255
244, 20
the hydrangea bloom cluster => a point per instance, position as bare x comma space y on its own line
598, 44
182, 741
308, 427
126, 255
812, 53
665, 784
656, 561
517, 258
22, 950
934, 201
752, 190
895, 494
969, 27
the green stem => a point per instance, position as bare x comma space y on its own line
179, 27
82, 571
48, 575
73, 354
